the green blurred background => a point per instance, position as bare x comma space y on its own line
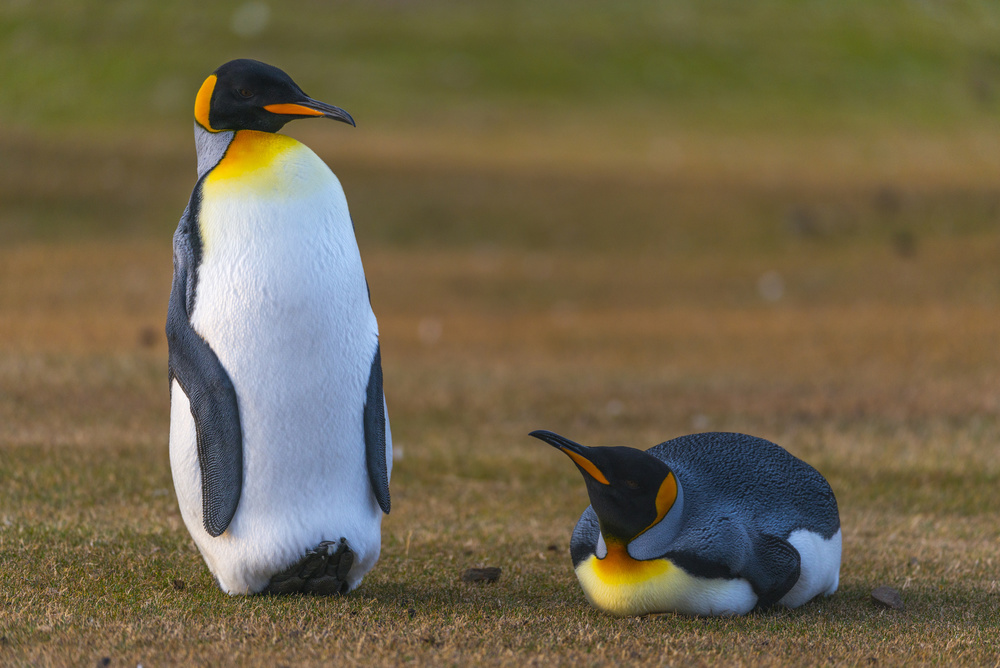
525, 123
756, 66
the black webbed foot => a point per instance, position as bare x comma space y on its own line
322, 571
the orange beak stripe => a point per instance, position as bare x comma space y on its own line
587, 466
292, 110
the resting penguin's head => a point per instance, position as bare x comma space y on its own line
631, 491
250, 95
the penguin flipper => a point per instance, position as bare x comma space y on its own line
718, 549
374, 417
775, 569
585, 537
725, 549
210, 392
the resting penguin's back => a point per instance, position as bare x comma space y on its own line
781, 492
282, 300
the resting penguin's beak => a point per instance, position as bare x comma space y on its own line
310, 107
575, 451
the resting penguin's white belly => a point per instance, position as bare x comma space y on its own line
282, 300
819, 566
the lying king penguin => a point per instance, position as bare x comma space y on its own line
707, 524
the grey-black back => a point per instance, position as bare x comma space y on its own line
750, 476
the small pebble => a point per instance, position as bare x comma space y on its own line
887, 597
488, 574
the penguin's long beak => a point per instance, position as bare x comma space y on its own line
310, 107
574, 451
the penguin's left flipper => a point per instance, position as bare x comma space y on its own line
375, 457
725, 549
322, 571
774, 570
210, 392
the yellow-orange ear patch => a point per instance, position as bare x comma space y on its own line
203, 102
665, 499
292, 109
587, 466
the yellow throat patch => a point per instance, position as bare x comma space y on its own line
622, 585
250, 152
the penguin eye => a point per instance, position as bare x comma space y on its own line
632, 484
245, 92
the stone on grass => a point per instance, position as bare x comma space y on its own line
887, 597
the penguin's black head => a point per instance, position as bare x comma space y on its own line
630, 490
250, 95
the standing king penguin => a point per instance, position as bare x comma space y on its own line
279, 442
707, 524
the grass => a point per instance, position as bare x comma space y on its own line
623, 223
892, 397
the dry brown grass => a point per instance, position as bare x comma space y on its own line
878, 365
